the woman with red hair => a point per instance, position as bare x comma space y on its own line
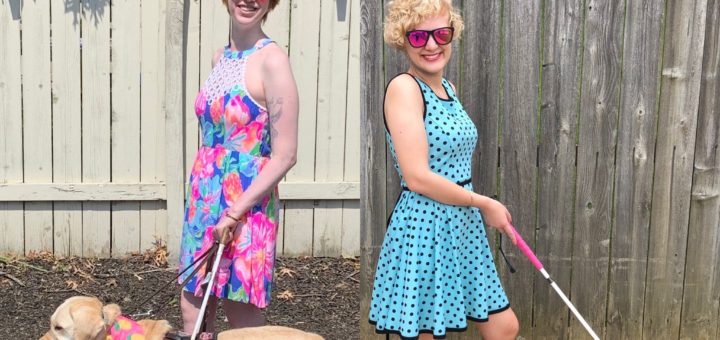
247, 110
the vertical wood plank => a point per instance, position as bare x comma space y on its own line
304, 57
633, 169
191, 139
677, 123
556, 161
174, 116
480, 90
453, 69
599, 106
66, 122
214, 33
331, 117
37, 128
519, 126
96, 124
277, 25
11, 213
351, 208
153, 224
701, 288
125, 122
372, 156
280, 235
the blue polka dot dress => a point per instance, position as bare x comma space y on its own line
435, 269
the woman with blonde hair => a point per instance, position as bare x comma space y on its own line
435, 269
247, 110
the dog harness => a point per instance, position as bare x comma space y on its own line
125, 329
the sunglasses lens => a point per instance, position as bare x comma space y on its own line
443, 36
418, 38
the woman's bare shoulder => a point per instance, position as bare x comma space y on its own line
403, 85
216, 56
275, 56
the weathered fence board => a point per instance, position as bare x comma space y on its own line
677, 122
372, 159
153, 220
351, 171
125, 122
330, 130
96, 112
701, 287
175, 106
599, 106
519, 111
37, 143
11, 213
556, 160
634, 158
66, 120
304, 54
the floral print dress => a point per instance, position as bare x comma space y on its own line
235, 147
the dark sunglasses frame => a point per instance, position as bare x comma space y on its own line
431, 33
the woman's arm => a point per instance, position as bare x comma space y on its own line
404, 117
282, 105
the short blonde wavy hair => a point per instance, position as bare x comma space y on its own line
403, 15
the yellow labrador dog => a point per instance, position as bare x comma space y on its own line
82, 317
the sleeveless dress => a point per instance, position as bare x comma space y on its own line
235, 147
435, 268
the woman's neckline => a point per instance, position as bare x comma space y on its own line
442, 83
239, 54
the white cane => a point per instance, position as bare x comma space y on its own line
201, 315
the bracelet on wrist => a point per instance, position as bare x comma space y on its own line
227, 214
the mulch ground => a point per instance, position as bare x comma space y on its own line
312, 294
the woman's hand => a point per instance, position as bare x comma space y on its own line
497, 216
225, 228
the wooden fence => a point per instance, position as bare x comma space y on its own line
599, 125
97, 130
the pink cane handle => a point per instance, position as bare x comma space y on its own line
526, 250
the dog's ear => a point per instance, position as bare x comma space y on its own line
110, 313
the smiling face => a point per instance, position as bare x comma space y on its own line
248, 12
432, 58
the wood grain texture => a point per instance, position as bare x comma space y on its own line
599, 109
330, 125
518, 170
277, 26
481, 84
125, 122
192, 80
372, 156
11, 213
174, 109
153, 215
96, 123
66, 123
634, 158
37, 128
677, 123
351, 171
701, 287
563, 21
304, 59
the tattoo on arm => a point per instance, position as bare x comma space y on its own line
274, 111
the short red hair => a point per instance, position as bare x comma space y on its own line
273, 4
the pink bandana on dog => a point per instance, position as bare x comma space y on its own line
125, 329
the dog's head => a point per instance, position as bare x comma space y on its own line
81, 318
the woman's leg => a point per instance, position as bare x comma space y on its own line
425, 336
243, 314
190, 308
500, 326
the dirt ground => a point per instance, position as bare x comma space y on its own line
313, 294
